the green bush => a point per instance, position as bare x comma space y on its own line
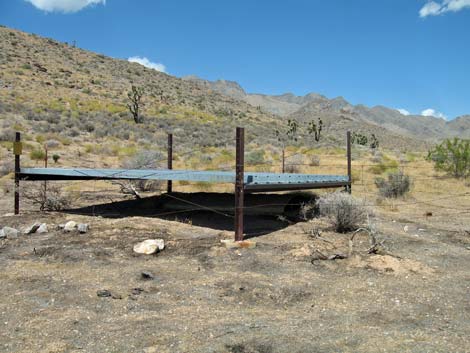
37, 155
255, 157
452, 156
397, 184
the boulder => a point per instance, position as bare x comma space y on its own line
8, 232
42, 229
70, 226
83, 228
149, 246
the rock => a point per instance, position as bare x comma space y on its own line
405, 229
147, 275
137, 291
42, 228
83, 228
149, 246
32, 229
70, 226
244, 244
103, 293
8, 232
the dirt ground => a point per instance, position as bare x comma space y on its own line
277, 297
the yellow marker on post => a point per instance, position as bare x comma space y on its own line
17, 148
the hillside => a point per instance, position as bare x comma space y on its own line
52, 90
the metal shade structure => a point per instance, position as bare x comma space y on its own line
244, 181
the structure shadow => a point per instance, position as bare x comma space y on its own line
264, 213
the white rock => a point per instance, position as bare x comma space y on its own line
8, 232
32, 229
149, 246
42, 228
70, 226
405, 228
83, 228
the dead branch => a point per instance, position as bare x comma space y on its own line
127, 188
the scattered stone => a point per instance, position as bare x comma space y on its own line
8, 232
244, 244
32, 229
104, 293
83, 228
137, 291
8, 215
70, 226
405, 229
61, 226
149, 246
147, 275
42, 228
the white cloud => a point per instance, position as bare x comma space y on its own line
147, 63
434, 113
432, 8
65, 6
404, 111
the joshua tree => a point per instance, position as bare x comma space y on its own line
135, 98
315, 129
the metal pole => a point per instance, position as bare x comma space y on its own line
45, 166
239, 183
169, 187
348, 138
283, 160
17, 151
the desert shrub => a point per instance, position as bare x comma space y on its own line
315, 161
255, 157
397, 184
293, 163
7, 135
55, 158
385, 164
47, 199
6, 168
52, 144
146, 160
345, 212
452, 156
37, 155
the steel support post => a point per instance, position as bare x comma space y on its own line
239, 183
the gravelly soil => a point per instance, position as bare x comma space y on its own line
205, 298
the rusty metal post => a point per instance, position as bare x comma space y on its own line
283, 160
17, 150
169, 187
239, 183
348, 149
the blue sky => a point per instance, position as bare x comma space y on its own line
408, 54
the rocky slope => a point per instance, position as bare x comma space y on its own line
313, 104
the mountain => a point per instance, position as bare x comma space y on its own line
305, 107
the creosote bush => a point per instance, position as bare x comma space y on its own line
397, 184
452, 156
345, 212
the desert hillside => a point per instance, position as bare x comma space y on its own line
63, 92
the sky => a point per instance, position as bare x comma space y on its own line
412, 55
